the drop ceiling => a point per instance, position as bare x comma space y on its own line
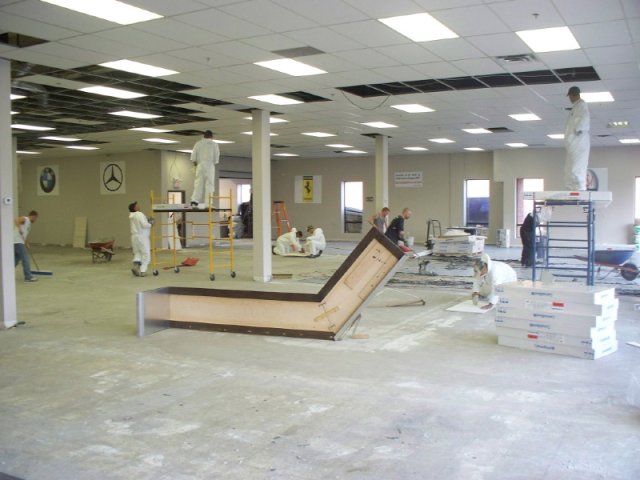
474, 81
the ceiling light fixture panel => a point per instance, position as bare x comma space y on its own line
139, 68
549, 39
525, 117
290, 67
338, 145
319, 134
380, 125
159, 140
112, 92
419, 27
630, 141
36, 128
129, 113
111, 10
413, 108
516, 145
416, 149
597, 97
476, 131
441, 140
150, 130
276, 99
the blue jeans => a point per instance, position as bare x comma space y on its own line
20, 255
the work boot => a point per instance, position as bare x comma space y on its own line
136, 269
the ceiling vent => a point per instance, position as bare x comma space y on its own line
521, 58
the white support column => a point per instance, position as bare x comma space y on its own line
8, 308
261, 189
382, 172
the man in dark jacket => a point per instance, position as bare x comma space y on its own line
395, 231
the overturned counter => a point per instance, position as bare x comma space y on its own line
327, 314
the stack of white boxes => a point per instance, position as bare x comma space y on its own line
458, 245
562, 318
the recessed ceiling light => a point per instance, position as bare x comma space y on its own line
476, 131
271, 134
137, 67
318, 134
150, 130
80, 147
629, 140
556, 136
276, 99
474, 149
271, 119
525, 117
354, 151
596, 97
413, 108
416, 149
26, 152
223, 141
420, 27
286, 155
17, 97
37, 128
549, 39
380, 125
112, 92
614, 124
441, 140
129, 113
516, 145
61, 139
159, 140
290, 67
338, 145
110, 10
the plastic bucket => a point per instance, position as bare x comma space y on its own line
410, 241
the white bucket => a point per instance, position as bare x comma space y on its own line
410, 241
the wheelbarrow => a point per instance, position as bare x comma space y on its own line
101, 251
615, 260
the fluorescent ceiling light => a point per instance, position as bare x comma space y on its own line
525, 117
112, 92
476, 131
416, 149
26, 152
17, 97
420, 27
441, 140
380, 125
271, 134
318, 134
184, 151
276, 99
556, 136
110, 10
474, 149
629, 140
516, 145
159, 140
338, 145
150, 130
354, 151
137, 67
271, 119
290, 67
549, 39
129, 113
595, 97
286, 155
223, 141
613, 124
22, 126
80, 147
61, 139
14, 113
413, 108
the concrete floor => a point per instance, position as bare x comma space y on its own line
430, 395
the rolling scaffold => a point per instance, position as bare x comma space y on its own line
219, 219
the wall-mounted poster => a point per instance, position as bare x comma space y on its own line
308, 189
48, 180
407, 179
112, 178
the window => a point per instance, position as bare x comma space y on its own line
352, 206
524, 207
476, 202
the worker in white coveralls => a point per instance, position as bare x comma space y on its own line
288, 243
577, 143
315, 243
140, 230
205, 156
487, 274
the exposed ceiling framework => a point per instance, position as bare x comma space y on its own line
471, 82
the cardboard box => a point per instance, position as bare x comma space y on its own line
553, 315
596, 340
584, 330
558, 292
525, 303
547, 347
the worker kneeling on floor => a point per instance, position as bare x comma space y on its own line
487, 274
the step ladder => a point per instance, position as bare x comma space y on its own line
280, 216
433, 230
